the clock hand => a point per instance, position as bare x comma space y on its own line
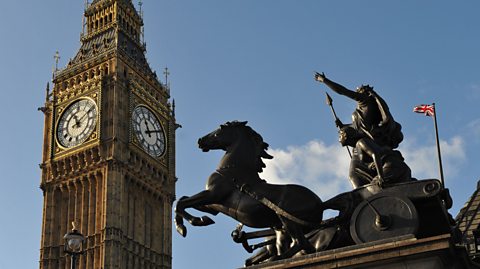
153, 131
148, 130
82, 117
77, 121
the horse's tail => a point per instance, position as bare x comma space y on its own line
344, 203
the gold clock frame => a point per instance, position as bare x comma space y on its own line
134, 138
59, 148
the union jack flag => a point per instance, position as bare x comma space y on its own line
428, 110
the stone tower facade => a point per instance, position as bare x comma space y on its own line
468, 222
109, 149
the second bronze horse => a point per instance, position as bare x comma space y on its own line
235, 189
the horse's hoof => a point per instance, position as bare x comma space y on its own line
203, 221
182, 230
207, 221
195, 221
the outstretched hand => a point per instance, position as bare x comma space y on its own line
320, 77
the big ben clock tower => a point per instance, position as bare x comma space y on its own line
109, 149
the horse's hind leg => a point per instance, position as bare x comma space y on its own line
299, 241
262, 255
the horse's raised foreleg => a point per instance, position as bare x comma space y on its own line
199, 201
206, 209
181, 229
187, 202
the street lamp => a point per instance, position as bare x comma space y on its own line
74, 241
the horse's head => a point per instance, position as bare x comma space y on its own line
236, 133
220, 138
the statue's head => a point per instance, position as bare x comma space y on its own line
364, 89
348, 136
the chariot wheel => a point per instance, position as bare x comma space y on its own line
383, 216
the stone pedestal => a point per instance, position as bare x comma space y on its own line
406, 252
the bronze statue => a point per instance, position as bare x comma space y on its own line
289, 217
235, 189
386, 202
372, 121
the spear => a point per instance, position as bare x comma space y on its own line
330, 104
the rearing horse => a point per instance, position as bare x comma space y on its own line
236, 190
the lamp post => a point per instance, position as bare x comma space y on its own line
74, 241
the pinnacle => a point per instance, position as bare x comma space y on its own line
96, 1
127, 2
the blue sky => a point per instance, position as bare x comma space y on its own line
254, 60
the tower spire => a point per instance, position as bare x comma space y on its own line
166, 73
142, 32
47, 94
83, 18
56, 57
55, 69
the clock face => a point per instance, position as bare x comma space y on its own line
149, 131
77, 123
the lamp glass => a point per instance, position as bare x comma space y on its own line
74, 241
75, 244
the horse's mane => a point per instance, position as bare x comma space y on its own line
260, 146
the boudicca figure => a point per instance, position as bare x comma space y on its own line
373, 134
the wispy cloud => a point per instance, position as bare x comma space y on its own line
474, 128
324, 168
423, 160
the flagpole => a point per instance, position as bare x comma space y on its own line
438, 145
